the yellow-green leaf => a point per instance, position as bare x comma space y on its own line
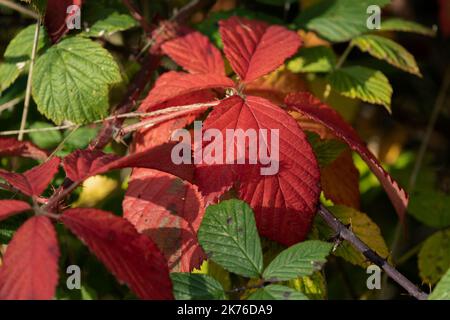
442, 289
362, 83
387, 50
434, 257
397, 24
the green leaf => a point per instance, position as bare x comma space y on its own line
362, 226
46, 139
313, 286
397, 24
434, 257
107, 17
188, 286
18, 54
338, 20
229, 237
431, 207
277, 292
442, 289
314, 59
388, 50
362, 83
72, 79
299, 260
326, 151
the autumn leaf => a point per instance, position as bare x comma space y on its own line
30, 265
11, 207
195, 53
55, 17
249, 46
168, 210
13, 147
285, 202
34, 181
133, 258
320, 112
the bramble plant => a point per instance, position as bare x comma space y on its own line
250, 204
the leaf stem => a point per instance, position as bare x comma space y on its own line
26, 105
343, 232
344, 56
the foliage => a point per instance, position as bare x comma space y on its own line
106, 104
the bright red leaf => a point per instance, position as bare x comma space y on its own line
340, 181
320, 112
34, 181
284, 203
30, 265
56, 16
11, 207
195, 53
83, 164
168, 210
255, 48
174, 84
133, 258
13, 147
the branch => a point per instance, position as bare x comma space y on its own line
185, 12
346, 234
138, 17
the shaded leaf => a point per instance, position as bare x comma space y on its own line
168, 210
431, 207
133, 258
56, 16
434, 257
277, 292
30, 265
188, 286
229, 237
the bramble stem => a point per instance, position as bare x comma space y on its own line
26, 105
343, 232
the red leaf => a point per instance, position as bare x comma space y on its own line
195, 53
161, 133
34, 181
9, 208
444, 17
284, 203
133, 258
30, 265
170, 211
56, 15
173, 84
14, 147
340, 181
320, 112
82, 164
254, 48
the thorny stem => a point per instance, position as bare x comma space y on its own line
343, 232
26, 105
